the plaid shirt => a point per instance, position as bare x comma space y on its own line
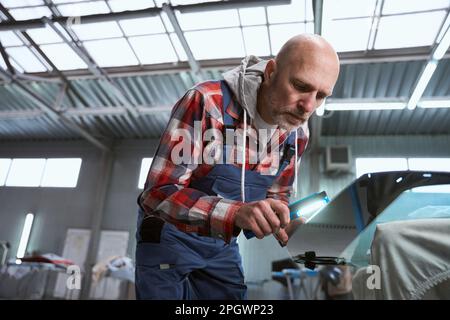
167, 193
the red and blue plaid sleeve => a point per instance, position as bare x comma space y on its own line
167, 193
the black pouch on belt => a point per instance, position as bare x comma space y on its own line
150, 230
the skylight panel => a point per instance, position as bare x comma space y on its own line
63, 56
141, 26
8, 38
166, 21
83, 9
398, 6
337, 33
111, 52
215, 44
333, 9
252, 16
121, 5
279, 34
144, 47
99, 30
409, 30
256, 41
26, 59
178, 47
15, 65
30, 13
3, 64
21, 3
298, 10
66, 1
44, 35
208, 19
184, 2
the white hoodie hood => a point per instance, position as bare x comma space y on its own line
244, 82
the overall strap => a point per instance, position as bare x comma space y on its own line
226, 99
228, 121
288, 152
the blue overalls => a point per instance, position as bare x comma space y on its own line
171, 264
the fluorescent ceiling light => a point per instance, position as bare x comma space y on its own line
434, 104
422, 84
23, 244
350, 106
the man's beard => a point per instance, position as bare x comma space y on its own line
280, 118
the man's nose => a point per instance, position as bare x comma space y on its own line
308, 102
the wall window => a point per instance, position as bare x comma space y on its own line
431, 164
371, 165
40, 172
145, 167
61, 173
4, 168
25, 173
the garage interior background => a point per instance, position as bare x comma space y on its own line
101, 88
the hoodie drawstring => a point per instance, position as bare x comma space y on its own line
295, 165
244, 147
244, 144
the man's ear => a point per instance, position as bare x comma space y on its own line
270, 69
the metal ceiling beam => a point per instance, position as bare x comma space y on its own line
144, 13
318, 13
50, 111
94, 111
94, 68
60, 75
377, 12
6, 59
195, 67
56, 13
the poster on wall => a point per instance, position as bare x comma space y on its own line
76, 247
112, 244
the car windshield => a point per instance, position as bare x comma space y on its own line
430, 202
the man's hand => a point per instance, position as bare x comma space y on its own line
264, 217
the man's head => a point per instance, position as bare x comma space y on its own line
297, 81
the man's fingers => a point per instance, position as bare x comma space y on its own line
257, 230
261, 220
282, 236
281, 210
271, 217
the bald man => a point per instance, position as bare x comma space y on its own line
203, 188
